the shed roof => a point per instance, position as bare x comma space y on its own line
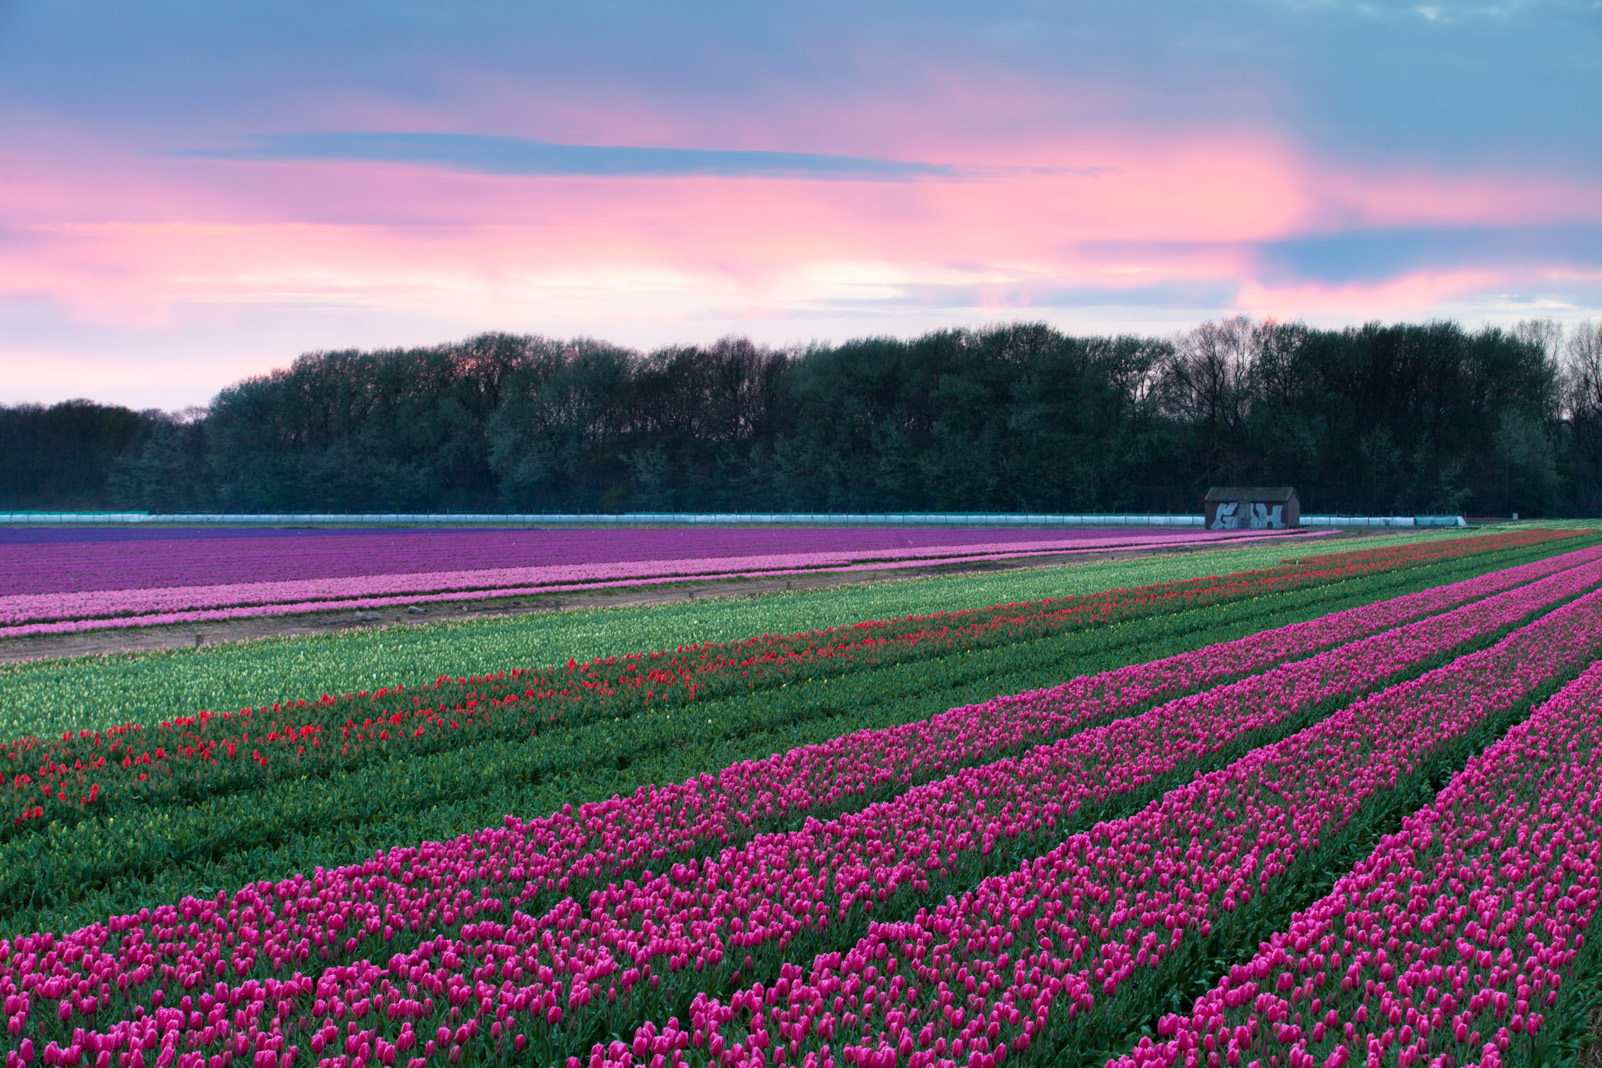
1250, 493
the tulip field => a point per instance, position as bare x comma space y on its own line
1343, 808
1512, 841
60, 581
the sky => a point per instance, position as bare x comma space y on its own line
193, 193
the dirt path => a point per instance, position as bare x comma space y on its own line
186, 635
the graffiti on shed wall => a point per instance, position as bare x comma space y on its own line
1251, 508
1257, 516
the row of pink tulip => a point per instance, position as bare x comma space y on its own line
660, 822
817, 776
1006, 968
104, 619
1452, 939
460, 899
20, 608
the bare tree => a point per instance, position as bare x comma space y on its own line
1206, 384
1581, 393
1581, 372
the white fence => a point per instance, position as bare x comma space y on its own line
1384, 521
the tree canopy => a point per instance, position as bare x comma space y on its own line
1377, 419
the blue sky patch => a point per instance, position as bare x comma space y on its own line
512, 155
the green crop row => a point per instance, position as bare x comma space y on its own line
144, 855
48, 696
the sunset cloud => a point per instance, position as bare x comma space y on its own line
791, 176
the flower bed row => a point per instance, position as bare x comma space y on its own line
795, 781
1026, 965
209, 752
124, 855
63, 560
443, 912
121, 607
479, 593
710, 810
1452, 939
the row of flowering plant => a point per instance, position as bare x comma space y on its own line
482, 947
229, 823
352, 594
67, 559
69, 610
1045, 962
846, 770
194, 756
1449, 944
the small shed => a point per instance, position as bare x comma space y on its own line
1251, 508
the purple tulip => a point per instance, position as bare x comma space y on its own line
127, 585
64, 561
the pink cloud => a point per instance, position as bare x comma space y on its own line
1415, 197
1410, 294
128, 241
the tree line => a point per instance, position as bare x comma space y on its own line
1376, 419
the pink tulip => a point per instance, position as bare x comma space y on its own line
1513, 843
1103, 891
491, 942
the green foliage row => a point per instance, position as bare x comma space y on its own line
47, 697
143, 855
1572, 1031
